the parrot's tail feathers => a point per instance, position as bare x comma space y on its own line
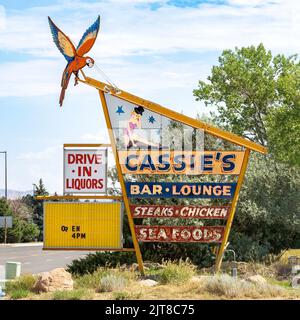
64, 84
62, 96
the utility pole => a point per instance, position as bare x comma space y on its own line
5, 153
5, 230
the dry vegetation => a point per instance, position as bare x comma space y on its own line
179, 280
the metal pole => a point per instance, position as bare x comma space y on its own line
232, 211
5, 175
5, 230
234, 267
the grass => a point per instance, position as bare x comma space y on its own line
90, 280
122, 295
20, 287
174, 282
176, 273
112, 282
286, 284
19, 294
228, 287
78, 294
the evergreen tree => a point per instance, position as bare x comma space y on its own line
37, 205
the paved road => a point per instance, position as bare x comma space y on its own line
34, 260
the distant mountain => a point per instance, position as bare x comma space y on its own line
14, 194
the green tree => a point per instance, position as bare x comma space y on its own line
284, 134
5, 209
256, 96
40, 189
36, 205
268, 213
23, 229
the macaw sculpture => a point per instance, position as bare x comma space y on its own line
75, 57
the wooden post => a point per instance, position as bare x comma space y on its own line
232, 211
122, 183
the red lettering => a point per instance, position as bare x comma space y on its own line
71, 158
80, 184
78, 158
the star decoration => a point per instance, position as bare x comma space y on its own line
152, 119
120, 110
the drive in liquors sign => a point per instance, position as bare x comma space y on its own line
85, 171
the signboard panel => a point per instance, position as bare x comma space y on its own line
6, 222
135, 127
179, 234
181, 162
180, 190
182, 212
72, 225
85, 171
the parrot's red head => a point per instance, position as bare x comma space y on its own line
89, 62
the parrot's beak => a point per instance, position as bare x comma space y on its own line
90, 64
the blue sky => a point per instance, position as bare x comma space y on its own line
155, 49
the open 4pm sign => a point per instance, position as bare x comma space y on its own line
71, 225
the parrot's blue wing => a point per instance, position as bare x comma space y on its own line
63, 43
88, 39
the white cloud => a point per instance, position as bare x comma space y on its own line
30, 166
251, 3
2, 18
29, 78
46, 154
135, 45
99, 137
127, 29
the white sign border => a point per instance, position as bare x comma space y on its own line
104, 192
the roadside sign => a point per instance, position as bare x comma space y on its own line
6, 222
210, 190
71, 225
181, 162
85, 171
182, 212
179, 233
136, 127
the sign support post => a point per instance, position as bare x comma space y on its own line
232, 211
5, 231
122, 183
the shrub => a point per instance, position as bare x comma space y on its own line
23, 283
112, 282
177, 273
199, 254
30, 232
92, 262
